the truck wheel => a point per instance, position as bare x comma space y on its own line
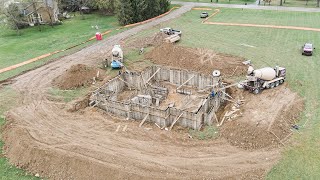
276, 83
256, 91
271, 85
281, 81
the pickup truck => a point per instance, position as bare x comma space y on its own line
171, 31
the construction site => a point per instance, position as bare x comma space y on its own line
142, 121
162, 95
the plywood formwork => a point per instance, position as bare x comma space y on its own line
152, 85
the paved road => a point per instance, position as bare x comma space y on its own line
250, 6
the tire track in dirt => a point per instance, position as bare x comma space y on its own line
43, 137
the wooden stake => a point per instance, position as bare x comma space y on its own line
215, 116
144, 84
174, 122
118, 128
185, 82
124, 128
152, 75
228, 100
227, 94
224, 117
228, 86
144, 119
157, 125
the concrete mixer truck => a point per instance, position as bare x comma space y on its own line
117, 57
263, 78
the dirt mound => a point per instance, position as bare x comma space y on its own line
266, 119
78, 76
201, 60
154, 40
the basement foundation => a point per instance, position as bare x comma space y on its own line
162, 95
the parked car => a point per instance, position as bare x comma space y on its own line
204, 15
307, 49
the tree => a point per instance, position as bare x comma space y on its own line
49, 10
132, 11
318, 3
164, 6
138, 6
13, 17
125, 12
106, 6
152, 9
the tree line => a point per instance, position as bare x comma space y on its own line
132, 11
127, 11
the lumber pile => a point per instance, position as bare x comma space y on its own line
233, 113
172, 39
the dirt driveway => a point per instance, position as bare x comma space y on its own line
43, 137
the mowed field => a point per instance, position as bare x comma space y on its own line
33, 43
223, 1
267, 17
293, 3
270, 47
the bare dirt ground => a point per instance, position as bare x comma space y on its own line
202, 60
78, 76
43, 137
266, 119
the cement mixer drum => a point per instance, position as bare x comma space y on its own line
266, 73
117, 53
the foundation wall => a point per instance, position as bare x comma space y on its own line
163, 118
105, 97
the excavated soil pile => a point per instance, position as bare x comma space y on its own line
78, 76
266, 119
201, 60
154, 40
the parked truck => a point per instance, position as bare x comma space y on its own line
263, 78
170, 31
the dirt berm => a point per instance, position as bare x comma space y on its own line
196, 59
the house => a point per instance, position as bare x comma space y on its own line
41, 12
37, 11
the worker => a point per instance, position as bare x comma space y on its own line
213, 93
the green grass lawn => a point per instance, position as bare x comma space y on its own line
271, 47
303, 19
222, 1
292, 3
33, 43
